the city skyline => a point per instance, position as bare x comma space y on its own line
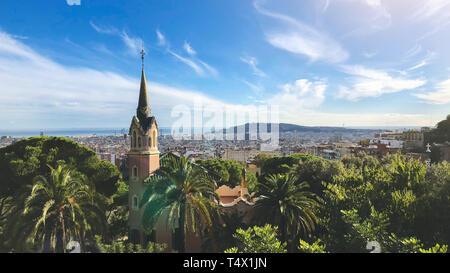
385, 66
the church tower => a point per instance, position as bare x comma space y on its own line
143, 157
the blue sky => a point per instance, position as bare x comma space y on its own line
76, 64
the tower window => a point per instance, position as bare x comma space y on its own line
135, 171
139, 142
133, 141
150, 141
154, 138
135, 202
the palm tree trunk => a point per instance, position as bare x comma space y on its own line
61, 219
182, 229
213, 239
283, 230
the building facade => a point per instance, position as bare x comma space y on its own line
143, 159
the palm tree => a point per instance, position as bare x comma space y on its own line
61, 207
286, 203
182, 189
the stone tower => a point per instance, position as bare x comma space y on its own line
143, 157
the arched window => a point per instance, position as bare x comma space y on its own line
139, 142
154, 138
133, 141
135, 171
150, 141
135, 202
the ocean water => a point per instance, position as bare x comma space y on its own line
71, 132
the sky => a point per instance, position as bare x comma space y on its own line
76, 63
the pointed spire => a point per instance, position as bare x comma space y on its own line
143, 110
142, 57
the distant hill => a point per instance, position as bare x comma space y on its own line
287, 127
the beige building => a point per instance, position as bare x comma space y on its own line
413, 139
246, 155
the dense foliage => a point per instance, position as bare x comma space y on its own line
303, 203
124, 247
258, 240
183, 190
286, 202
391, 201
441, 134
29, 169
228, 172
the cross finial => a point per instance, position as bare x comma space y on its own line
142, 57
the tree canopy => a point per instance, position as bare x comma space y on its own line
29, 162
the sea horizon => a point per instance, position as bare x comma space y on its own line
72, 132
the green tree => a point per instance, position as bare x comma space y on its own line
227, 172
440, 134
117, 213
285, 202
28, 158
61, 206
316, 171
257, 240
224, 227
126, 247
260, 159
184, 191
315, 247
394, 195
282, 164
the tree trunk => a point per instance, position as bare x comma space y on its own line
213, 239
61, 219
182, 230
283, 230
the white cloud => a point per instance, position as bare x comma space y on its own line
440, 96
257, 88
381, 120
297, 102
300, 94
161, 38
433, 13
103, 30
211, 69
432, 9
188, 48
326, 3
253, 63
369, 54
416, 49
425, 61
302, 39
73, 2
419, 65
133, 44
374, 83
38, 92
198, 69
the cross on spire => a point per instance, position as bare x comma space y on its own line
142, 57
